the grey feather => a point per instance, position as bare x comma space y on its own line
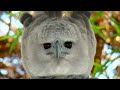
62, 77
76, 14
54, 13
26, 19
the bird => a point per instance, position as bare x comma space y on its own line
57, 46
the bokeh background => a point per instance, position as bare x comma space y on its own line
106, 25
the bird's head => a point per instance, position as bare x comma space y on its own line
56, 46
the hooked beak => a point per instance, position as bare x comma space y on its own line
57, 49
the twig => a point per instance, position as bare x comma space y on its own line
5, 23
9, 23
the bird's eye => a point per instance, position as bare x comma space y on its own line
68, 44
47, 45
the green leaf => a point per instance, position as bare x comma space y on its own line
115, 35
93, 20
15, 41
5, 37
19, 33
102, 27
97, 65
97, 31
67, 12
116, 25
97, 68
94, 72
99, 13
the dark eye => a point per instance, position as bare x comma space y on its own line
68, 45
47, 45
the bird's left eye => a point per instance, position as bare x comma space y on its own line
68, 44
47, 45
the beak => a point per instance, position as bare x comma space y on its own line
57, 49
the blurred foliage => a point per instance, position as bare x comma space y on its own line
106, 25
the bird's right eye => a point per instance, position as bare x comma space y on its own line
47, 45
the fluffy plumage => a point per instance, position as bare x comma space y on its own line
58, 46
